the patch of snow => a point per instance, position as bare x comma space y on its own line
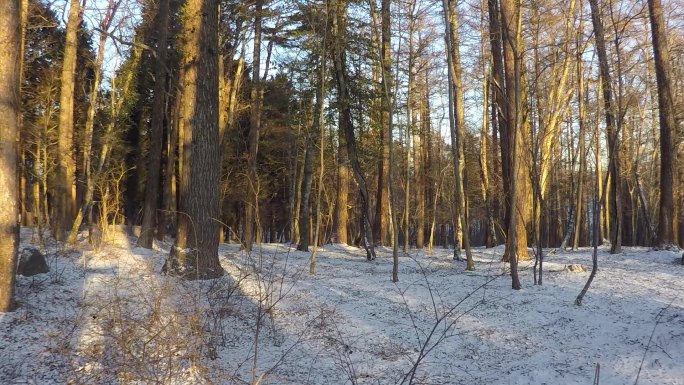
108, 316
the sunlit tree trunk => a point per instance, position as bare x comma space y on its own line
10, 37
65, 192
661, 56
22, 166
516, 243
195, 253
343, 178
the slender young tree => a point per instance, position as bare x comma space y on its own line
9, 120
195, 253
86, 205
666, 113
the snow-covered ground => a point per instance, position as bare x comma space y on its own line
108, 316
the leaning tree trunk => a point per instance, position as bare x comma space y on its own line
667, 122
65, 193
9, 120
195, 253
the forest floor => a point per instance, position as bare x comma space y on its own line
108, 316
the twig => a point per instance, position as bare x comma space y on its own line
658, 317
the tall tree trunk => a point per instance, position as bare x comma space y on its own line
661, 56
499, 103
579, 193
251, 203
382, 199
388, 111
307, 179
457, 118
411, 131
195, 253
339, 52
343, 177
320, 111
10, 37
516, 243
154, 164
490, 231
22, 166
299, 181
614, 201
166, 220
65, 194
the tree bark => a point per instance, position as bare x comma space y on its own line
661, 56
516, 243
343, 177
579, 193
388, 110
339, 52
457, 118
499, 103
195, 253
320, 112
10, 37
166, 220
65, 194
251, 204
154, 164
307, 179
614, 201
